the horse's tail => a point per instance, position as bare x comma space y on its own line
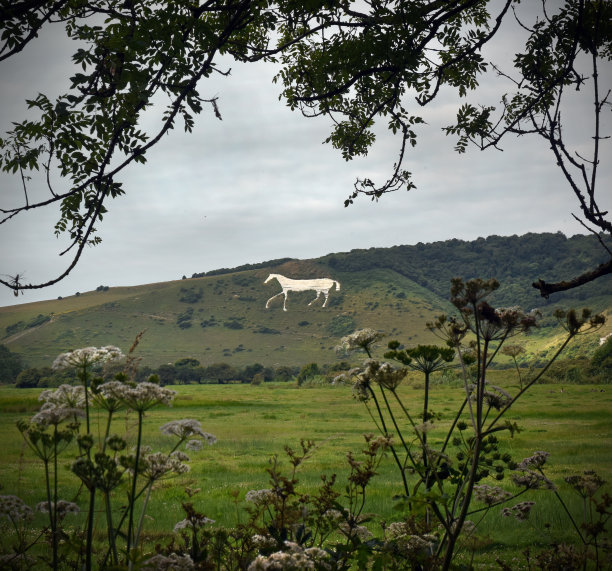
337, 285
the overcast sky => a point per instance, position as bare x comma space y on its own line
260, 185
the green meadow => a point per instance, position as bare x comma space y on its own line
254, 423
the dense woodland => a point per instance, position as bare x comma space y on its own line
516, 261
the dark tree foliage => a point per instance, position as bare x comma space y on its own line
28, 378
513, 260
220, 373
308, 372
355, 63
11, 364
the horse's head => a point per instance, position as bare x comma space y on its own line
270, 277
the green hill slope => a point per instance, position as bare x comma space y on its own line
221, 315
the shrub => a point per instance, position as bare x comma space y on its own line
28, 378
341, 325
38, 320
14, 328
183, 320
266, 330
190, 295
308, 372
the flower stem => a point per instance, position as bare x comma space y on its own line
132, 498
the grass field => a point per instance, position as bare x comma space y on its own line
252, 423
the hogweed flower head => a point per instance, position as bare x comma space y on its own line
63, 508
15, 508
106, 396
263, 541
259, 497
375, 372
195, 521
67, 396
532, 480
158, 465
362, 339
585, 484
294, 558
520, 511
491, 495
535, 462
186, 428
116, 443
87, 356
139, 397
52, 415
360, 532
404, 540
496, 397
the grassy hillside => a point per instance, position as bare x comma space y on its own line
221, 316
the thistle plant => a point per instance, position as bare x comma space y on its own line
440, 482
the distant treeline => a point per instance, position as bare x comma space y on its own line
184, 371
245, 267
594, 370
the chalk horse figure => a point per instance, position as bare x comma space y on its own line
320, 285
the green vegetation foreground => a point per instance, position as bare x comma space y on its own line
253, 423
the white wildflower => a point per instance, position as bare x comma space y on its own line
333, 515
259, 496
194, 445
415, 545
359, 531
397, 529
295, 558
263, 541
191, 522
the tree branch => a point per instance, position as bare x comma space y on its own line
547, 288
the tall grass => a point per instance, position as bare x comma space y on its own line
252, 424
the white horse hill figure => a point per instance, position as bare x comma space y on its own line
321, 286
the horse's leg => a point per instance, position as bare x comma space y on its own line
326, 292
268, 302
285, 302
315, 299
